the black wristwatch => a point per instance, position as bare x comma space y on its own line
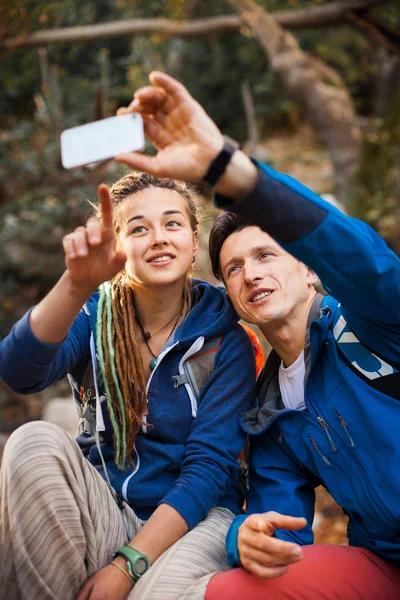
217, 166
137, 563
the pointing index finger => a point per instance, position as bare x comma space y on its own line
105, 205
278, 521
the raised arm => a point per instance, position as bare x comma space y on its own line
353, 262
39, 350
91, 258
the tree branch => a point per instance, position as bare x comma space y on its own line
377, 32
321, 16
318, 87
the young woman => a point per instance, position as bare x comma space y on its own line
157, 478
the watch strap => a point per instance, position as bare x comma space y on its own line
132, 556
218, 166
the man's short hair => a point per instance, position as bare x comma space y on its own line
225, 224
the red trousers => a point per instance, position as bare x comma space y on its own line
326, 572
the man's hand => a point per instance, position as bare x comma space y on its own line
107, 584
186, 138
91, 255
262, 554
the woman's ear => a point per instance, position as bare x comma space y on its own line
196, 241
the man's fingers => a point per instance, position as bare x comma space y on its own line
149, 99
151, 91
266, 572
254, 522
156, 133
160, 116
270, 521
170, 85
257, 544
284, 521
150, 95
266, 549
150, 107
105, 205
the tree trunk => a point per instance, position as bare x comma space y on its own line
316, 85
387, 81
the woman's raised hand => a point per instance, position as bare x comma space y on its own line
91, 254
186, 138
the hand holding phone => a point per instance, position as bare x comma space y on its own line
101, 140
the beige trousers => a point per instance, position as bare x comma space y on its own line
59, 524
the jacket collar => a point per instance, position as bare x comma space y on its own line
270, 404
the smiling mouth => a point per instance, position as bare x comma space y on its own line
261, 295
161, 259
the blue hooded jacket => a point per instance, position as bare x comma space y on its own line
348, 438
188, 457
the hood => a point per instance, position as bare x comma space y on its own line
211, 316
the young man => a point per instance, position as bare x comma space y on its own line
328, 398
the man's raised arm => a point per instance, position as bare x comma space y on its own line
186, 138
353, 262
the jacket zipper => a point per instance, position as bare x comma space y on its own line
375, 498
344, 425
125, 484
159, 359
356, 473
184, 370
314, 443
124, 488
325, 427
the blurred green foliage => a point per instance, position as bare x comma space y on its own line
45, 91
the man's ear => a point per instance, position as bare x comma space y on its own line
312, 277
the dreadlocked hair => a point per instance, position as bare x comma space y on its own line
117, 345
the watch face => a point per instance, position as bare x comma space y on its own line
141, 566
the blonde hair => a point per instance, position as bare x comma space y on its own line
117, 344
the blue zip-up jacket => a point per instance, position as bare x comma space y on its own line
348, 438
188, 457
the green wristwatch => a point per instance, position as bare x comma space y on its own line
137, 563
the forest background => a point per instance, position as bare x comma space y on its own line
309, 86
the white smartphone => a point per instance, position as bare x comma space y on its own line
101, 140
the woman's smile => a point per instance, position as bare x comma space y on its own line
161, 259
157, 236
